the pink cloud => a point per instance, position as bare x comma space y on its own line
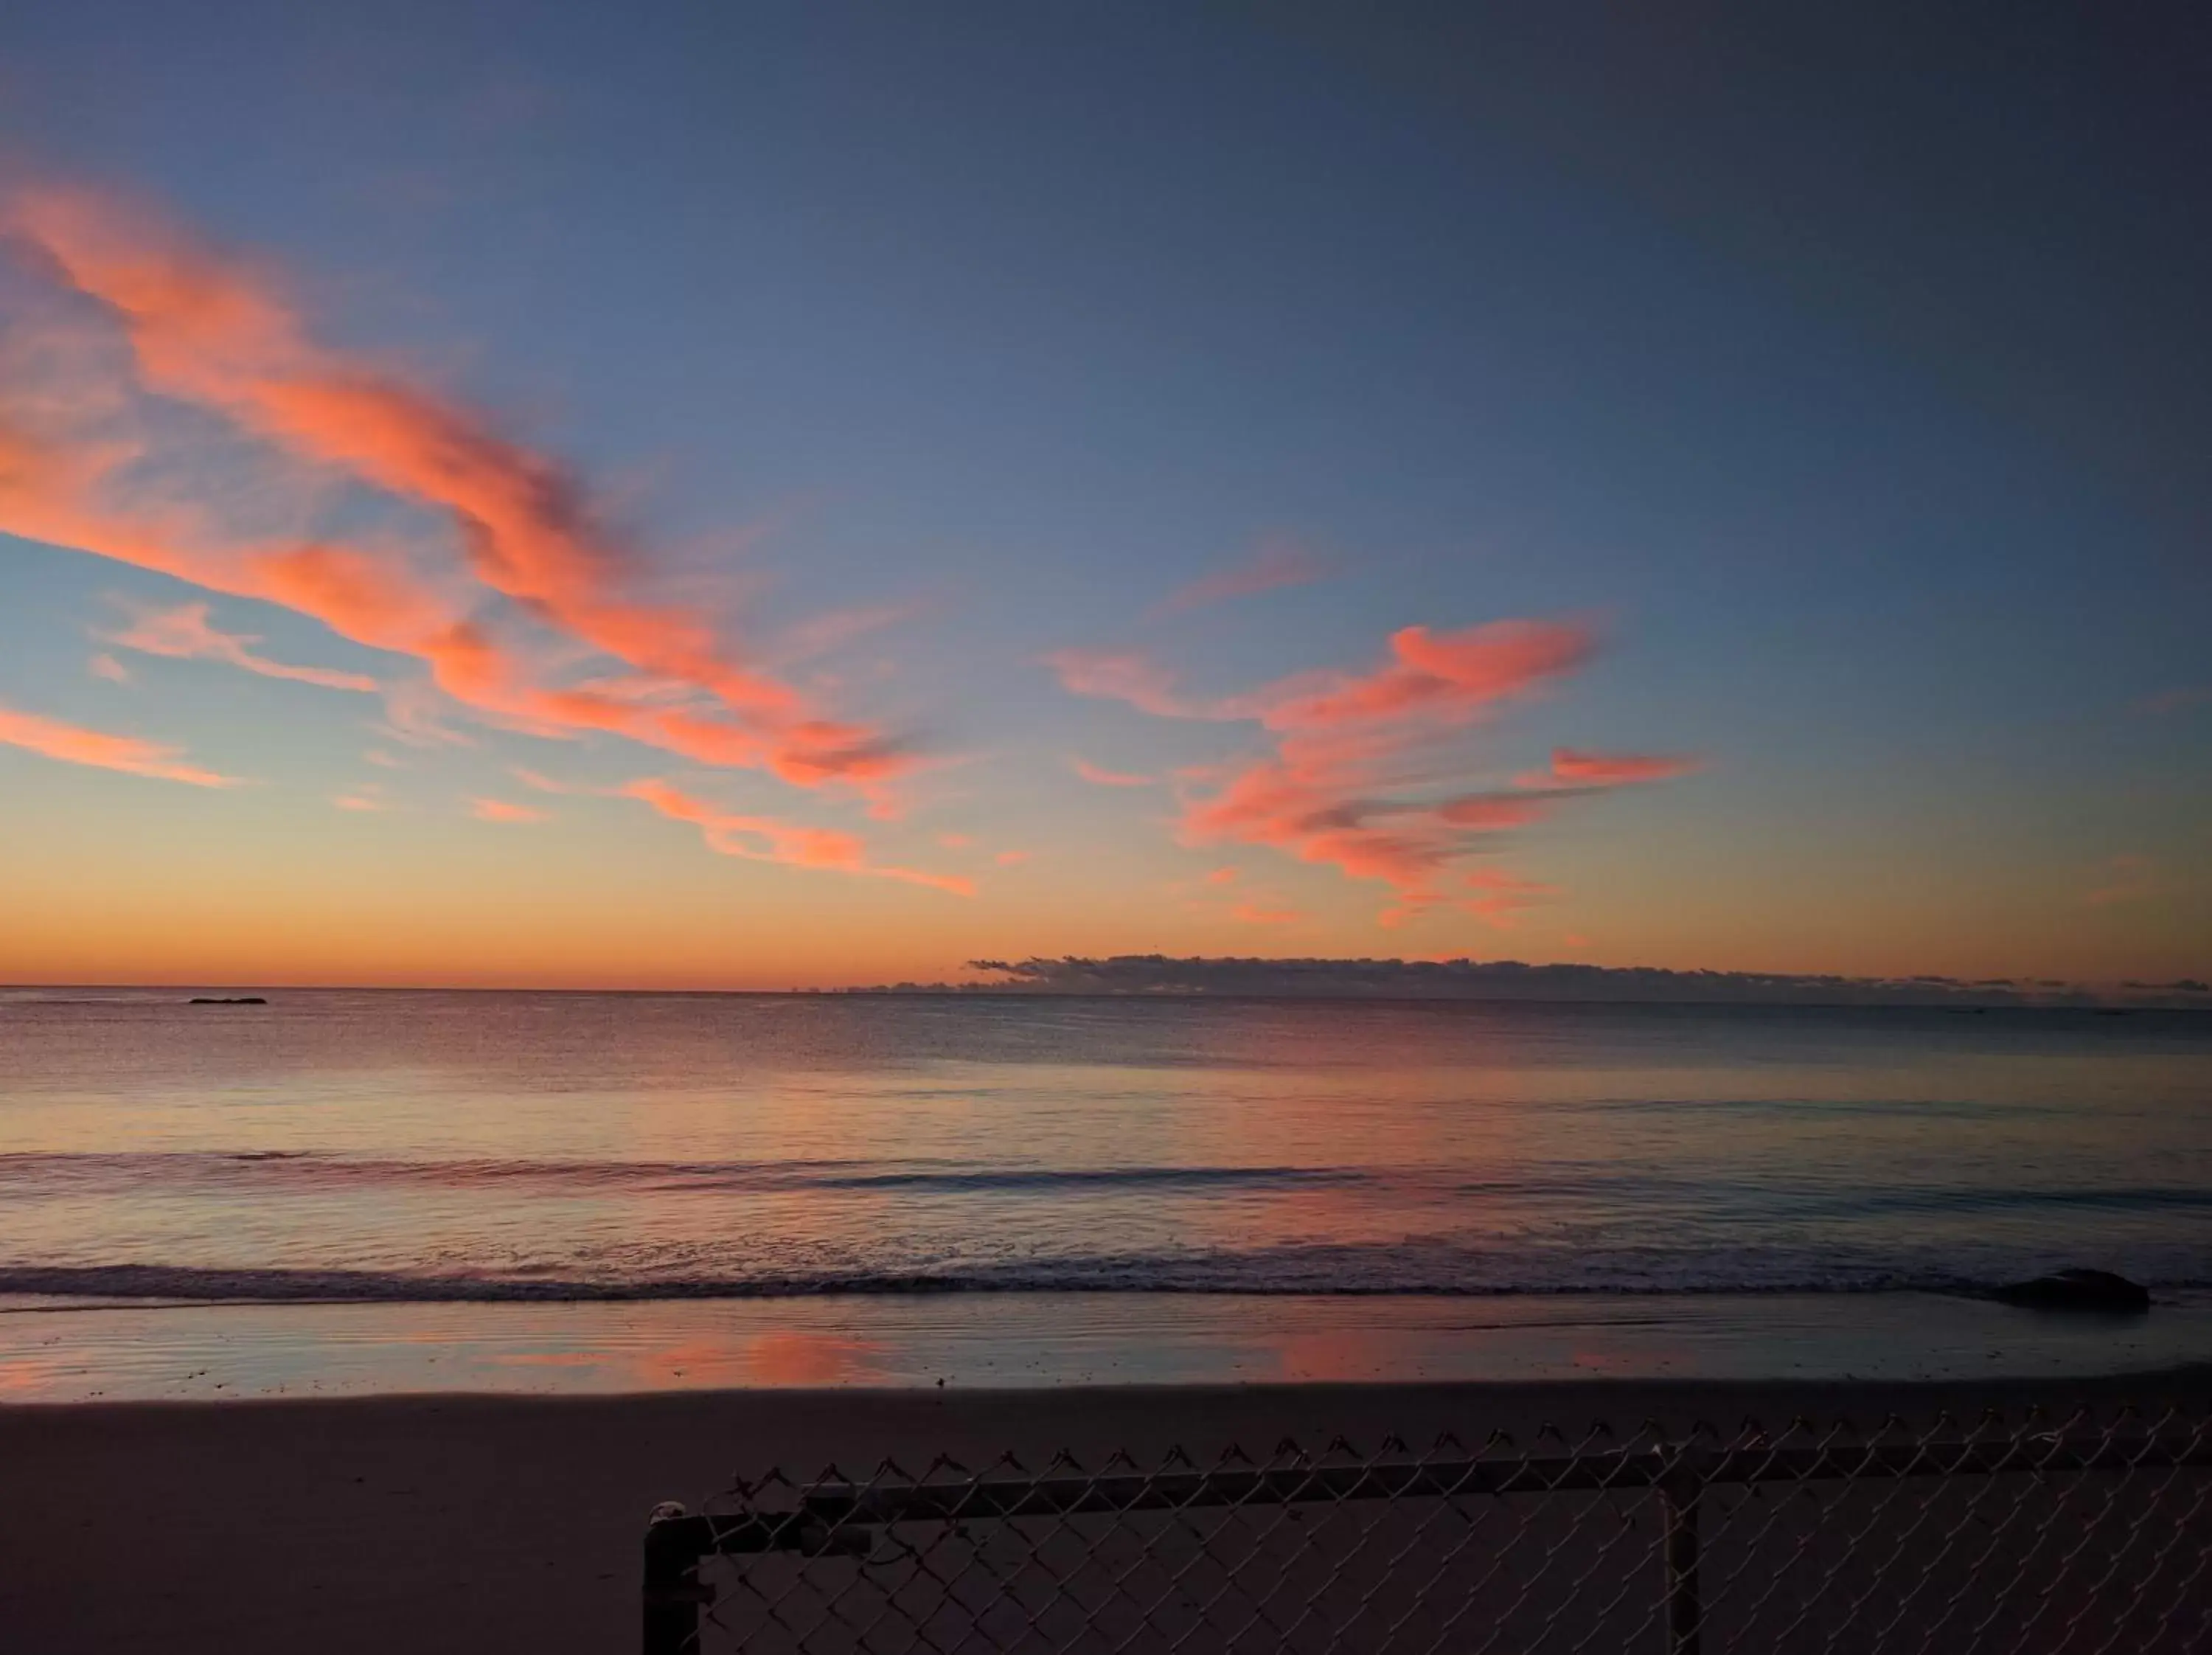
213, 332
72, 743
1500, 898
835, 629
383, 760
106, 667
499, 810
1575, 769
1449, 678
759, 839
1107, 675
1223, 876
1106, 778
1490, 812
1445, 678
1276, 563
956, 841
1360, 759
1011, 858
184, 634
2128, 877
366, 798
1261, 912
2175, 700
415, 716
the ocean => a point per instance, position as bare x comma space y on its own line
989, 1168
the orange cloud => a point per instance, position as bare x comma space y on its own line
1575, 769
209, 331
1445, 678
2175, 700
1490, 813
1359, 757
499, 810
1011, 858
73, 745
1449, 677
1104, 675
184, 634
764, 839
1275, 564
2127, 878
366, 798
1312, 814
1105, 778
1502, 896
1264, 913
1223, 876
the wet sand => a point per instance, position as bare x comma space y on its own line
433, 1523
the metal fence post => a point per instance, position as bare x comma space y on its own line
1678, 1505
672, 1591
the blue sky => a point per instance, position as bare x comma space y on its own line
1850, 386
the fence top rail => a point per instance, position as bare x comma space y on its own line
822, 1512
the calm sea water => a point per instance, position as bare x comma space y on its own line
424, 1147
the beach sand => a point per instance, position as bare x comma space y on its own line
432, 1523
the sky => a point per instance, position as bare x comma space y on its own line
781, 496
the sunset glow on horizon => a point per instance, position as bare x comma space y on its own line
701, 542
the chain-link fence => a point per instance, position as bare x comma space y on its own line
2089, 1533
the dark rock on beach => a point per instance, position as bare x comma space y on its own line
2077, 1290
218, 1000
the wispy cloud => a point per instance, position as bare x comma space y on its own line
1448, 678
1130, 676
1572, 767
185, 634
1260, 911
2129, 877
1275, 564
832, 631
72, 743
1494, 812
1358, 777
105, 665
414, 715
500, 810
2175, 700
215, 332
1099, 777
1498, 899
765, 839
367, 797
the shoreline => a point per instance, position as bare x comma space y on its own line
470, 1522
95, 1350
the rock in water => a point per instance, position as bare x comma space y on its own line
2077, 1290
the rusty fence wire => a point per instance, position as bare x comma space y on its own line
2088, 1533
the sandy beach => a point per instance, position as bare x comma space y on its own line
457, 1523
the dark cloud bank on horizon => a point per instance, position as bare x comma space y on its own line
1468, 979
